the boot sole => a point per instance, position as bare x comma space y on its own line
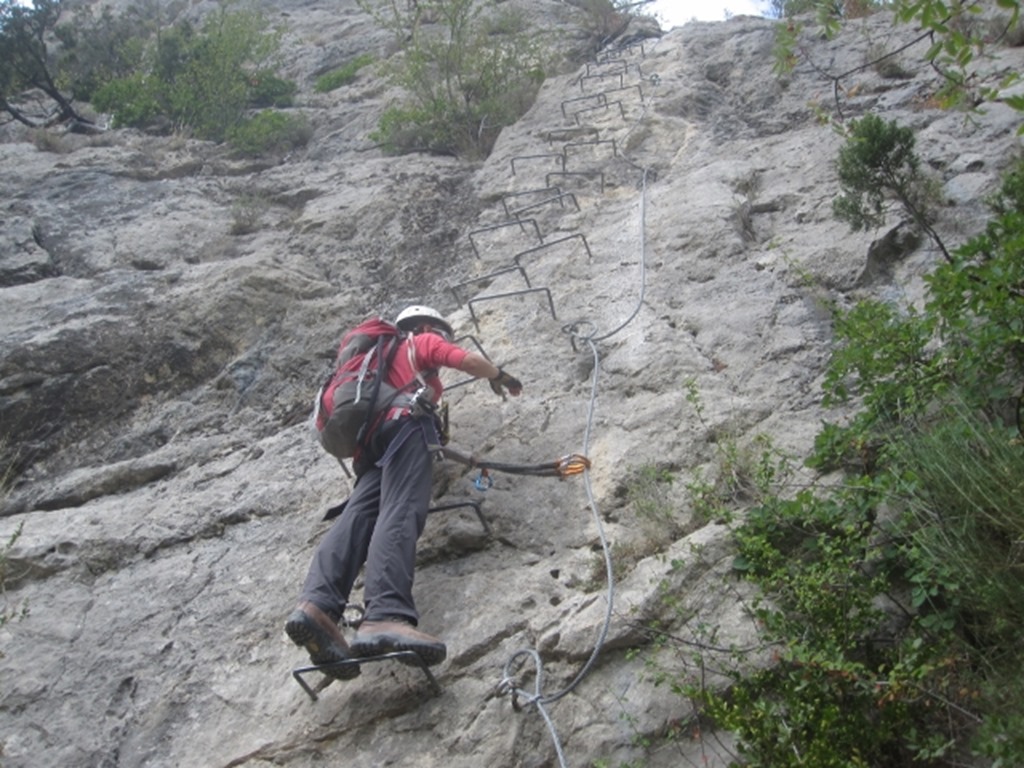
300, 631
378, 645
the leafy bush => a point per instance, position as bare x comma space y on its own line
247, 212
958, 33
975, 307
846, 687
266, 89
463, 84
877, 163
649, 493
203, 79
962, 489
95, 51
270, 132
892, 602
954, 43
26, 63
979, 298
342, 76
881, 354
133, 101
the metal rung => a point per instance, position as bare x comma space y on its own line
479, 348
628, 48
540, 191
599, 96
626, 88
458, 505
619, 75
590, 175
553, 243
532, 157
625, 66
566, 134
404, 656
615, 149
476, 343
557, 198
622, 111
496, 296
608, 62
488, 276
517, 223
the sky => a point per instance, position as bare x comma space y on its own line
677, 12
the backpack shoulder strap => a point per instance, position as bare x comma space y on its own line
384, 361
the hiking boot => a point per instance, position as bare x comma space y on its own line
376, 638
314, 630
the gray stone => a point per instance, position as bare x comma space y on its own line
157, 368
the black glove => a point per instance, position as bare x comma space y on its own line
506, 381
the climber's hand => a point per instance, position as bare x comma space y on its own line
505, 381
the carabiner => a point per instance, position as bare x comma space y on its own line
483, 480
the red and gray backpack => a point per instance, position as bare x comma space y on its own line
357, 393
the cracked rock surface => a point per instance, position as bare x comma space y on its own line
157, 368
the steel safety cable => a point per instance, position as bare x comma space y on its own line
538, 699
574, 328
591, 500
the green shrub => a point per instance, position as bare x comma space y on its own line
846, 686
979, 299
957, 32
95, 51
876, 163
649, 491
133, 101
965, 477
266, 89
463, 84
25, 60
882, 355
926, 523
202, 79
975, 307
270, 132
886, 63
342, 76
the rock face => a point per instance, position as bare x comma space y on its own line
651, 250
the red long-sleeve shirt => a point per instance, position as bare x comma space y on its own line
431, 353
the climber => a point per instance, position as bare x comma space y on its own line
385, 515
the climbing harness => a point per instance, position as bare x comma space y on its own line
580, 331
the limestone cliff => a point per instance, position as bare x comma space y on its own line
670, 297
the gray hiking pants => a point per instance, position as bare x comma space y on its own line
379, 527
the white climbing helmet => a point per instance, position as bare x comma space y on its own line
410, 318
